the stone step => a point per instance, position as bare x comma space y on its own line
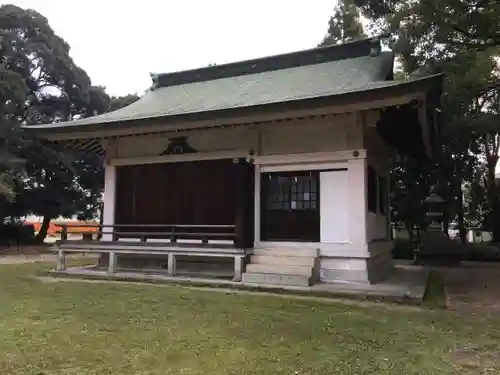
279, 270
283, 260
286, 251
275, 279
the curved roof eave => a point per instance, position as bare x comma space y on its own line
383, 89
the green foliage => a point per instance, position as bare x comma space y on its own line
475, 202
40, 83
118, 102
403, 249
462, 24
410, 183
345, 24
458, 38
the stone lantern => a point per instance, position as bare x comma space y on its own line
434, 237
434, 205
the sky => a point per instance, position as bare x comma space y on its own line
118, 43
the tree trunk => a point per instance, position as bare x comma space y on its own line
461, 217
42, 234
491, 186
495, 215
494, 201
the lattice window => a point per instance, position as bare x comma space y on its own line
292, 192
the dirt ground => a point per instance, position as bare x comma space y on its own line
29, 254
25, 254
19, 259
473, 287
25, 249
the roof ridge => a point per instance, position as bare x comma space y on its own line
362, 47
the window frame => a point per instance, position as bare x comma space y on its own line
290, 194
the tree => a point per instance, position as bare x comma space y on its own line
462, 23
118, 102
59, 184
40, 83
458, 38
410, 183
345, 24
10, 165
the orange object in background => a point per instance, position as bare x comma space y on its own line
55, 229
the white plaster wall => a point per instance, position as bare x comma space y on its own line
352, 264
222, 139
329, 133
319, 134
334, 207
472, 236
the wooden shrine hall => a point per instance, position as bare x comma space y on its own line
275, 168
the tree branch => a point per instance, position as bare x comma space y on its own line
488, 40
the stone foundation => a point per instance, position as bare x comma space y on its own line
376, 267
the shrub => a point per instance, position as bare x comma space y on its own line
16, 233
403, 249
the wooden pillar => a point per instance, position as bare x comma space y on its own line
244, 203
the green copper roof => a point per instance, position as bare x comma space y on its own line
320, 72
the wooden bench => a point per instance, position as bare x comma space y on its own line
113, 249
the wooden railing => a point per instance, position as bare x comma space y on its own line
172, 232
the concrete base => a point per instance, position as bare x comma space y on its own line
376, 267
407, 284
282, 266
276, 279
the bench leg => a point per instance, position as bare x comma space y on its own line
171, 264
238, 268
61, 260
112, 262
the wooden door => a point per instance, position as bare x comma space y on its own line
290, 206
190, 193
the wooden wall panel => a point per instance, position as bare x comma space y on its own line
192, 193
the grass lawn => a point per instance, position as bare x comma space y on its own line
94, 328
